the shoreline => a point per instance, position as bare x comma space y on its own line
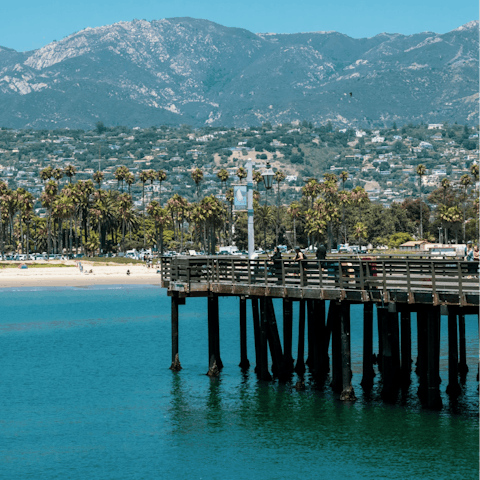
72, 277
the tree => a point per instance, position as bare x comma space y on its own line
144, 176
223, 176
197, 177
70, 171
278, 177
161, 177
100, 127
241, 173
294, 211
98, 178
465, 181
421, 171
360, 230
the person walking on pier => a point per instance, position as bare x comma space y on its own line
321, 252
277, 264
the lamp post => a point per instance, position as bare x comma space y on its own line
268, 182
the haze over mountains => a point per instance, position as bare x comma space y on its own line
184, 70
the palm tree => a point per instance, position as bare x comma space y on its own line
264, 217
278, 177
474, 173
241, 173
129, 180
465, 181
257, 177
161, 177
70, 171
144, 176
57, 174
124, 208
294, 211
421, 171
48, 198
197, 177
360, 230
344, 199
161, 220
98, 178
223, 176
230, 199
46, 173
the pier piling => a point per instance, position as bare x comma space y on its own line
462, 366
256, 333
348, 393
264, 373
334, 315
273, 336
175, 366
213, 336
406, 346
287, 334
300, 365
244, 363
453, 387
433, 399
368, 372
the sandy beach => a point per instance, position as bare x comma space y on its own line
71, 276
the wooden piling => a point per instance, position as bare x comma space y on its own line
244, 363
368, 372
381, 324
256, 333
319, 340
287, 333
264, 374
278, 364
175, 366
391, 355
453, 387
348, 393
311, 334
478, 371
300, 365
462, 365
406, 346
433, 399
422, 360
334, 315
215, 361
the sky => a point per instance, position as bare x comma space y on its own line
31, 24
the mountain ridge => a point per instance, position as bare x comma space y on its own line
185, 70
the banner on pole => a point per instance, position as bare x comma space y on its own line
240, 198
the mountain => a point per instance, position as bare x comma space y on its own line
184, 70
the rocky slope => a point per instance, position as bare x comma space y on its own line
183, 70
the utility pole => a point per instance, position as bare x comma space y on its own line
251, 238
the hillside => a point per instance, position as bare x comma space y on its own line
184, 70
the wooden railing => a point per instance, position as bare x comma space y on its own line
451, 276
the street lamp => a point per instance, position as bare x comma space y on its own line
268, 177
268, 182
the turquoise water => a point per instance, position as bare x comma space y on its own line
86, 393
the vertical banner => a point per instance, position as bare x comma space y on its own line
240, 198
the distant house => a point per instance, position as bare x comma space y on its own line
291, 178
378, 139
435, 126
414, 245
425, 145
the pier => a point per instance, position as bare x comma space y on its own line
396, 287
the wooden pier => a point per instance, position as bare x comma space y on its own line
395, 286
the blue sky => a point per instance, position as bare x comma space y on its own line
31, 24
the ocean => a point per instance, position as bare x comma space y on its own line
86, 393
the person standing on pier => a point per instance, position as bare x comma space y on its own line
277, 264
321, 252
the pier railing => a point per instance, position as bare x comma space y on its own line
367, 274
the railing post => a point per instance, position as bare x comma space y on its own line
320, 273
300, 264
434, 286
362, 280
265, 271
249, 272
282, 262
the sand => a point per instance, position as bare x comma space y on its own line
73, 277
